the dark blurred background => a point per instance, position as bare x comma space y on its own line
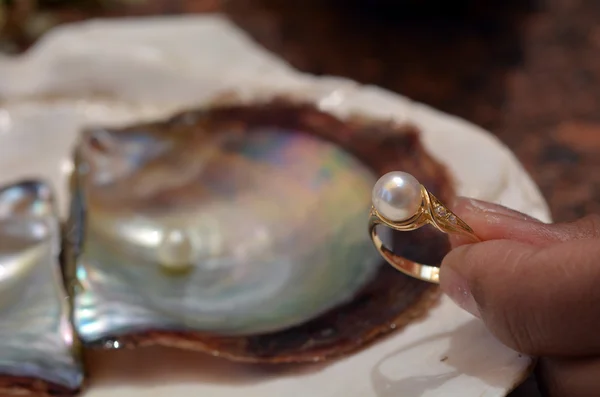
527, 70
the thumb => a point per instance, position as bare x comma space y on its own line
533, 284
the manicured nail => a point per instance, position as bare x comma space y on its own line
457, 288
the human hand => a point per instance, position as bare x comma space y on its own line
536, 287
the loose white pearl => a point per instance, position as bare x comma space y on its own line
397, 196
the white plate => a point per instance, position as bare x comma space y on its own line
115, 72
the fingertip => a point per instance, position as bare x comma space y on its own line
487, 260
496, 275
455, 285
467, 207
459, 240
495, 222
470, 272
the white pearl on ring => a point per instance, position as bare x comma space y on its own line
397, 196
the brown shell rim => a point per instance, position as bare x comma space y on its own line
27, 386
418, 311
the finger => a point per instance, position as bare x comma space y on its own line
569, 377
494, 222
537, 300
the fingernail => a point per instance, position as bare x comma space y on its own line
457, 288
490, 209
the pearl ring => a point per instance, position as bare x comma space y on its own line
401, 203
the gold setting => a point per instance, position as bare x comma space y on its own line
431, 212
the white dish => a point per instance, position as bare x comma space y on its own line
116, 72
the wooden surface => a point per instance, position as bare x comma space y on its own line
529, 71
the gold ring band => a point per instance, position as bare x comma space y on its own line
431, 212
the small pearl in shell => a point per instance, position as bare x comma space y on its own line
397, 196
175, 252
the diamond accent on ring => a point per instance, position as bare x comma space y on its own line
441, 211
445, 214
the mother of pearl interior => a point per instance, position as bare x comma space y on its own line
36, 339
263, 231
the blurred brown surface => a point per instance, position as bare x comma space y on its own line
529, 71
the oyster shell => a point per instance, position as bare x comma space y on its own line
37, 351
240, 230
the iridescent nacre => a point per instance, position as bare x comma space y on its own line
232, 232
36, 339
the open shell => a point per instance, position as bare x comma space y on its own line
37, 348
386, 303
